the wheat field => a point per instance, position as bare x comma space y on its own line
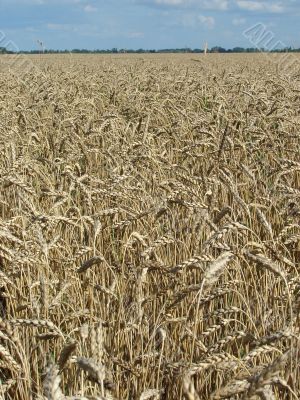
149, 227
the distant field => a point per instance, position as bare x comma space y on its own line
149, 227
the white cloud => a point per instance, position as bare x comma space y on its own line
208, 22
251, 5
276, 8
25, 2
206, 4
89, 8
188, 20
220, 5
238, 21
43, 2
31, 29
135, 35
62, 27
171, 2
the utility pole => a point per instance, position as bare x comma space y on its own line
41, 45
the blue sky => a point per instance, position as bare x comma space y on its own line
67, 24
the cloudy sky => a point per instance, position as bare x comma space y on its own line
67, 24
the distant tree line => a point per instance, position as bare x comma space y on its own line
3, 50
215, 49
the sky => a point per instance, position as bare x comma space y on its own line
149, 24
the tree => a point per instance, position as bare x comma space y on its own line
238, 50
217, 49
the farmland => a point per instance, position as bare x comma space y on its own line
149, 227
